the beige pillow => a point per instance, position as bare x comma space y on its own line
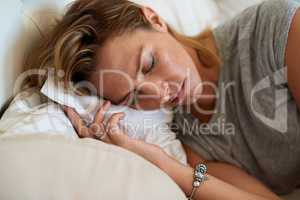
36, 167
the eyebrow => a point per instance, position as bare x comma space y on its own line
138, 68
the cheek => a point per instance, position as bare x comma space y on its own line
179, 66
172, 64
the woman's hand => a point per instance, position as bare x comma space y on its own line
109, 132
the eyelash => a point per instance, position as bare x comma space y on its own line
134, 98
152, 64
147, 71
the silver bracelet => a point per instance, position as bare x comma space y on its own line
199, 177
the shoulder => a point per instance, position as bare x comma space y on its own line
276, 18
274, 10
268, 9
277, 9
275, 5
263, 26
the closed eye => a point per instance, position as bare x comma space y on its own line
130, 99
133, 98
150, 66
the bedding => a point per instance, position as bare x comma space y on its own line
53, 167
31, 111
189, 17
149, 126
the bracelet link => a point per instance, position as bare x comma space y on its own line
199, 177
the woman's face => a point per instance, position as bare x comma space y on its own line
147, 69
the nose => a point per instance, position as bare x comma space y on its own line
165, 92
159, 90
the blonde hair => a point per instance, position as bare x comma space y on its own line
87, 25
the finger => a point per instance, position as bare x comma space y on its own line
101, 112
98, 132
77, 122
83, 132
166, 93
106, 139
112, 126
74, 117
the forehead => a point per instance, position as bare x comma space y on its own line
118, 53
117, 65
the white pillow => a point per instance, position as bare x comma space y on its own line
32, 112
229, 8
189, 16
52, 167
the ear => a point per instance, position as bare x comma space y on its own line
156, 21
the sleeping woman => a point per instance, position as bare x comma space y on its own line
233, 89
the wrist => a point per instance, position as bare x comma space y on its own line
127, 144
131, 145
150, 152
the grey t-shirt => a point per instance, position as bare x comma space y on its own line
256, 124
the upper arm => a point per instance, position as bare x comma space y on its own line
292, 58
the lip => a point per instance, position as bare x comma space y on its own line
178, 98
